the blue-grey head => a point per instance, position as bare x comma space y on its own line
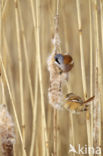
59, 59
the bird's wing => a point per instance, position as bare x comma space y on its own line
74, 98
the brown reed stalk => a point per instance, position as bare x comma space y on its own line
3, 100
25, 53
37, 35
37, 149
0, 26
65, 35
101, 8
96, 110
8, 54
81, 48
0, 30
83, 67
4, 8
72, 122
7, 134
30, 84
35, 19
69, 89
3, 92
34, 107
98, 84
34, 112
55, 132
20, 73
91, 69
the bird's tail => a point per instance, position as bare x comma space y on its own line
90, 99
86, 103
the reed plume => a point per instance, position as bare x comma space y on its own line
55, 90
7, 133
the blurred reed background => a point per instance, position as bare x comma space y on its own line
26, 29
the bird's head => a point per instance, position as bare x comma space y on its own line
59, 58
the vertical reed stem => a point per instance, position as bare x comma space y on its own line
45, 135
96, 110
20, 72
83, 68
3, 92
30, 86
26, 54
35, 109
101, 7
34, 112
4, 9
91, 69
98, 84
69, 87
0, 35
55, 131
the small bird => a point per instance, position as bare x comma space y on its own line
75, 103
64, 62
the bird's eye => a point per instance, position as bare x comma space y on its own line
57, 60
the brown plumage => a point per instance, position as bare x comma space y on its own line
75, 103
64, 62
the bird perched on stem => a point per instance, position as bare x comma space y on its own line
75, 103
64, 62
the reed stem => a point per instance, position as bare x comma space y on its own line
37, 35
35, 110
20, 73
98, 84
83, 69
91, 69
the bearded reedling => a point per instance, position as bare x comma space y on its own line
64, 62
74, 103
59, 66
